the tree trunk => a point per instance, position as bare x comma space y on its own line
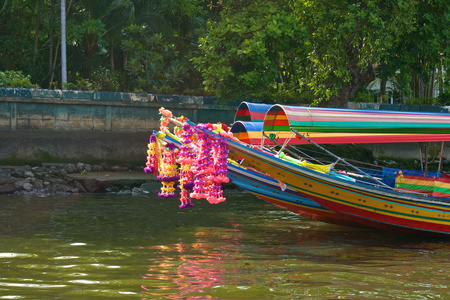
111, 56
359, 78
36, 35
421, 89
50, 45
124, 71
431, 85
441, 79
54, 66
383, 83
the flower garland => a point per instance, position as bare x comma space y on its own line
168, 173
203, 168
186, 158
203, 165
152, 160
219, 175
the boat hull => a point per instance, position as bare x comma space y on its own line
269, 190
376, 207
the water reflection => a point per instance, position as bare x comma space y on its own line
194, 268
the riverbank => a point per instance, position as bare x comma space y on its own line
65, 178
60, 178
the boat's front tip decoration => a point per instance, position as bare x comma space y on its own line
202, 160
165, 118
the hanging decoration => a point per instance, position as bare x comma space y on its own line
152, 160
168, 173
186, 157
219, 176
202, 157
204, 164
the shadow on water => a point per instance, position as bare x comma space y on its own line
129, 247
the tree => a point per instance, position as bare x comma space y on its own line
348, 41
253, 51
423, 56
332, 49
22, 23
158, 43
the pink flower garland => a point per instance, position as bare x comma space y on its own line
165, 118
203, 166
220, 172
186, 158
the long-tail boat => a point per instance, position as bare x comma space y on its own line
356, 195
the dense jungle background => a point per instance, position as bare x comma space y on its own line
304, 51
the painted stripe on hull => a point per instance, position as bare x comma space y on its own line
268, 190
325, 216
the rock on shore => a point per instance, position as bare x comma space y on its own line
69, 178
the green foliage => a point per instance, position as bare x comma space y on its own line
348, 39
325, 50
363, 96
96, 42
101, 80
421, 51
444, 99
251, 52
15, 79
105, 80
279, 51
147, 52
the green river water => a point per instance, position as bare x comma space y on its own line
120, 246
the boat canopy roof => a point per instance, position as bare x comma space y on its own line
247, 132
316, 119
252, 133
251, 112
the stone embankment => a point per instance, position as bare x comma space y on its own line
73, 178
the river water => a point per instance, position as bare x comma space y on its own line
120, 246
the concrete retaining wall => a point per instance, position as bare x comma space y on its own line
32, 109
76, 126
39, 125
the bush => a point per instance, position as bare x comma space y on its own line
444, 99
104, 79
101, 79
363, 96
16, 79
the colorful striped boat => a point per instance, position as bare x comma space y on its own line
314, 119
370, 203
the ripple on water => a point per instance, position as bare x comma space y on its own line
14, 255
